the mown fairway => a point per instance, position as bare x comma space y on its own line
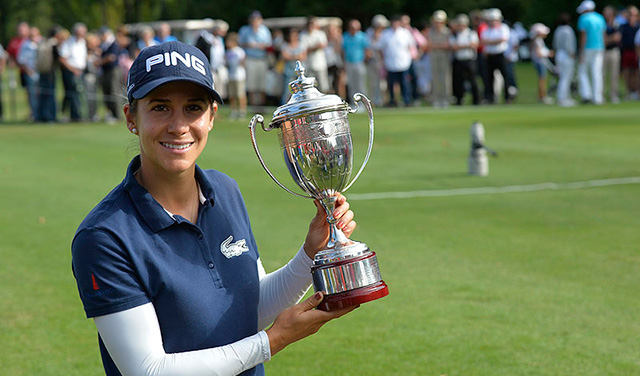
525, 283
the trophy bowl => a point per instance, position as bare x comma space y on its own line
316, 143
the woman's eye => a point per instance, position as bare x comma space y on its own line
159, 107
194, 107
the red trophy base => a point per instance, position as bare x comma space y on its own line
354, 297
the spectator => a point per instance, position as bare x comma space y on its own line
416, 54
91, 75
629, 58
27, 59
146, 38
612, 52
495, 40
511, 57
480, 25
591, 28
111, 74
13, 48
540, 55
73, 62
163, 34
396, 43
464, 43
211, 43
423, 66
235, 57
255, 38
125, 58
291, 50
335, 64
440, 51
375, 66
564, 45
315, 41
47, 65
356, 49
217, 60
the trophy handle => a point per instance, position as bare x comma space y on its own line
260, 119
359, 97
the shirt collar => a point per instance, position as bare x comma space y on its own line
156, 217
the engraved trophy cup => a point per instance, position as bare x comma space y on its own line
315, 138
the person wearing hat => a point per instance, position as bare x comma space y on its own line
464, 43
440, 51
495, 40
375, 66
166, 264
592, 28
540, 55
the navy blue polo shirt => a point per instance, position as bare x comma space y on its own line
201, 278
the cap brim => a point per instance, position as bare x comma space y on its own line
148, 87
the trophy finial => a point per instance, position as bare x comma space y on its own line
299, 70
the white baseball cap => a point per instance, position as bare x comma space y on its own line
379, 20
439, 16
539, 29
493, 14
586, 6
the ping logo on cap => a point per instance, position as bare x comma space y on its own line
172, 58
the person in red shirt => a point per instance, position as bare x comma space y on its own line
22, 34
479, 25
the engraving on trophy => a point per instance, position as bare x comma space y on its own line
315, 140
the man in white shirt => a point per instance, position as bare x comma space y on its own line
73, 61
464, 43
495, 40
396, 44
564, 45
315, 41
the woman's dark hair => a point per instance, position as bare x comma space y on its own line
287, 35
564, 18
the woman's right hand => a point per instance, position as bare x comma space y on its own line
300, 321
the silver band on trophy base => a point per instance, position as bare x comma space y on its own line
316, 142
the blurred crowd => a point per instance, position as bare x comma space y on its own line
442, 61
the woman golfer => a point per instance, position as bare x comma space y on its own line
166, 264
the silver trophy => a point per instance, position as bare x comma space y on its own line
316, 143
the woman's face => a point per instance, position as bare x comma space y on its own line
172, 123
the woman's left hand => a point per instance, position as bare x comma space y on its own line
318, 234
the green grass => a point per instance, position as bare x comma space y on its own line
535, 283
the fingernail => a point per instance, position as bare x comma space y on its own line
317, 295
336, 213
340, 225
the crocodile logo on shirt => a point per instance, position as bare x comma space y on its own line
230, 250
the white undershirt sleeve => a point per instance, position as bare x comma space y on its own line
134, 342
283, 288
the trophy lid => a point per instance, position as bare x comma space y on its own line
306, 99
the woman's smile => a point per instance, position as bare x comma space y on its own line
178, 146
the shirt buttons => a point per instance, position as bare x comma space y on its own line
211, 265
200, 236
